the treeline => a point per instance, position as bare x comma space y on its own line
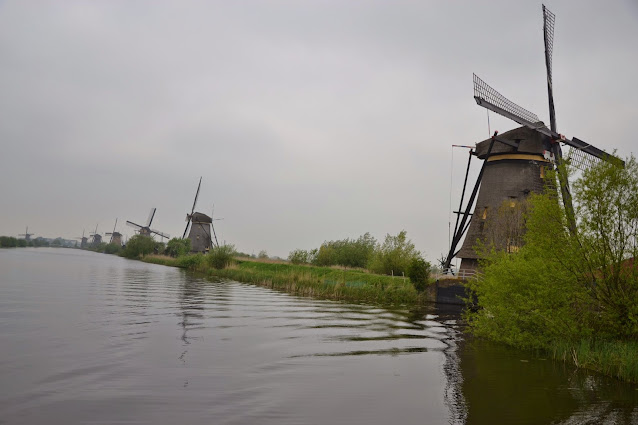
11, 242
396, 255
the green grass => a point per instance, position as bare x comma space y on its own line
613, 358
320, 282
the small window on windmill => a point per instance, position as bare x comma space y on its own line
484, 215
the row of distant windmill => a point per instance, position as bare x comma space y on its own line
202, 231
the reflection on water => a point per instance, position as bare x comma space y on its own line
90, 338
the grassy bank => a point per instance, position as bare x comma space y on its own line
321, 282
618, 359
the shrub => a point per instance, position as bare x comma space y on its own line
112, 248
191, 262
221, 256
394, 256
177, 247
138, 246
419, 273
298, 256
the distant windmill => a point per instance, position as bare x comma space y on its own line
201, 228
116, 237
83, 240
96, 238
26, 234
146, 230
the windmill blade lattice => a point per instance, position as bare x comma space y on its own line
489, 98
150, 217
548, 29
189, 217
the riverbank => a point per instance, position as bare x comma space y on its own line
615, 359
321, 282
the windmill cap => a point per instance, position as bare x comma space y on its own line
531, 142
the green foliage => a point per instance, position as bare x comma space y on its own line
221, 256
394, 256
178, 247
419, 273
298, 256
191, 262
139, 246
112, 248
8, 242
355, 253
564, 287
262, 254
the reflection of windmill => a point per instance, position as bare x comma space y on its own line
116, 237
515, 167
96, 238
146, 230
201, 228
83, 240
26, 234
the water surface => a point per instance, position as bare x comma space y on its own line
91, 338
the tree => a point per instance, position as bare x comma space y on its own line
394, 255
560, 286
177, 247
419, 273
138, 246
262, 254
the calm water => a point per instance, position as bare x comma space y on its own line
95, 339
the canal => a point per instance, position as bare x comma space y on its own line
89, 338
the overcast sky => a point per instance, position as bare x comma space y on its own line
308, 120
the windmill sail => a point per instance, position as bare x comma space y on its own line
189, 217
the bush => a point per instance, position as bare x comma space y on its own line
177, 247
221, 256
112, 248
298, 256
191, 262
562, 285
419, 273
138, 246
8, 242
394, 256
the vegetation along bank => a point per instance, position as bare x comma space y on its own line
573, 294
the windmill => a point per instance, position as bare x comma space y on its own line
146, 230
96, 238
83, 240
201, 228
26, 234
116, 237
515, 166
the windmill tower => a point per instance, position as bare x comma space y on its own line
146, 230
83, 240
116, 237
26, 234
514, 163
201, 228
96, 238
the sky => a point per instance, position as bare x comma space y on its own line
307, 120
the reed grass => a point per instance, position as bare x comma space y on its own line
613, 358
354, 285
